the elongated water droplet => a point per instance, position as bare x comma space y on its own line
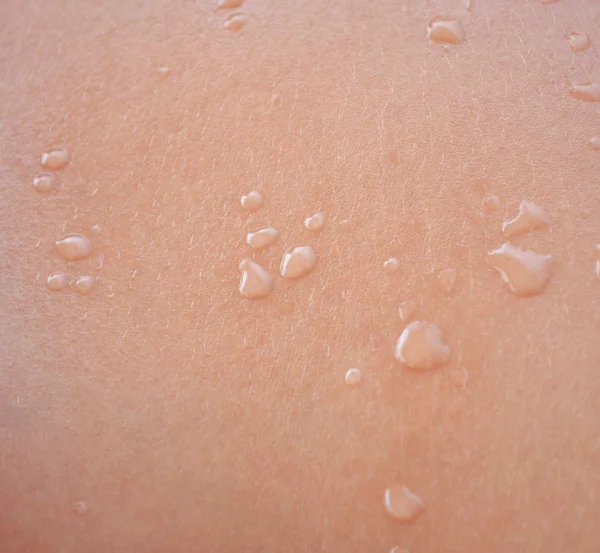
298, 261
588, 92
421, 346
402, 504
530, 217
315, 222
449, 31
57, 282
525, 272
83, 285
73, 246
391, 266
595, 143
353, 377
164, 71
597, 266
252, 201
256, 282
447, 280
44, 182
229, 4
579, 42
56, 159
262, 238
236, 22
407, 310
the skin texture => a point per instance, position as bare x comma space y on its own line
190, 419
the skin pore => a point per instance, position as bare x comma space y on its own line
165, 412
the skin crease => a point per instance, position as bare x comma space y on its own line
189, 419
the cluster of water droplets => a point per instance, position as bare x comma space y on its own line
235, 21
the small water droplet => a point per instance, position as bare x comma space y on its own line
57, 282
597, 269
315, 222
56, 159
44, 182
97, 228
164, 71
391, 266
346, 224
447, 280
79, 508
587, 92
530, 217
256, 282
235, 22
421, 346
595, 143
490, 204
353, 377
449, 31
73, 247
407, 310
262, 238
252, 201
402, 504
229, 4
525, 272
83, 285
298, 261
579, 42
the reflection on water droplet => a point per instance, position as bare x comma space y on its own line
346, 224
595, 143
235, 22
407, 310
588, 92
530, 217
57, 282
315, 222
55, 159
421, 346
256, 282
391, 265
73, 246
83, 285
353, 377
490, 204
262, 238
79, 508
164, 71
44, 182
579, 41
445, 30
96, 228
252, 201
525, 272
229, 4
298, 261
447, 280
402, 504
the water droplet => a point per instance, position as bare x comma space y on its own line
298, 261
469, 5
421, 346
407, 310
346, 224
73, 246
57, 282
256, 282
490, 204
83, 285
402, 504
449, 31
235, 22
56, 159
447, 280
598, 269
164, 71
595, 143
530, 217
391, 265
262, 238
97, 228
229, 4
44, 182
315, 222
588, 92
80, 508
597, 251
579, 41
525, 272
353, 377
252, 201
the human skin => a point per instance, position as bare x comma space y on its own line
188, 418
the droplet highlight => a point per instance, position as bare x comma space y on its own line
315, 222
587, 92
530, 217
579, 42
57, 282
236, 22
44, 182
256, 282
252, 201
353, 377
391, 266
447, 280
262, 238
402, 504
73, 247
421, 346
56, 159
525, 272
83, 285
298, 261
447, 31
407, 309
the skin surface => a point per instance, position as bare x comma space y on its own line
190, 419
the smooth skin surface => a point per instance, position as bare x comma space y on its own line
190, 419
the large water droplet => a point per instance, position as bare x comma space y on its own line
298, 261
83, 285
579, 41
56, 159
447, 280
525, 272
57, 282
353, 377
229, 4
588, 92
236, 22
262, 238
391, 266
402, 504
595, 143
73, 246
446, 30
315, 222
530, 217
44, 182
252, 201
407, 310
256, 282
421, 346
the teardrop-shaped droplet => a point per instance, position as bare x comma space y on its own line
315, 222
595, 143
57, 282
83, 285
236, 22
256, 282
298, 261
402, 504
73, 247
252, 201
56, 159
262, 238
579, 42
421, 346
449, 31
44, 182
353, 377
